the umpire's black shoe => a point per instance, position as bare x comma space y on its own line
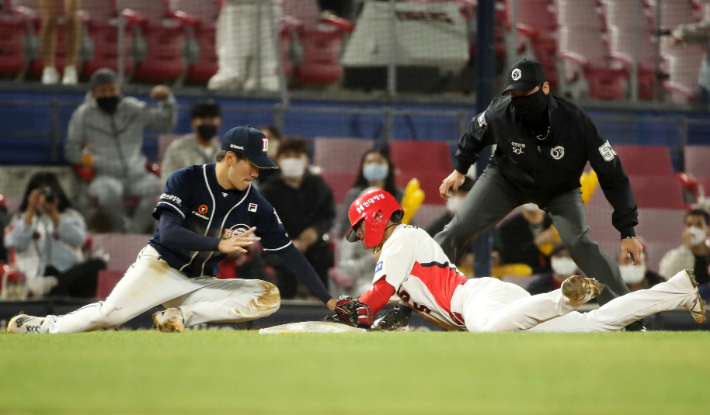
637, 325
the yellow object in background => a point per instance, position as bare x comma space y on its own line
413, 198
511, 269
588, 183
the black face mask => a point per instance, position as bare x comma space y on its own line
532, 107
108, 104
206, 131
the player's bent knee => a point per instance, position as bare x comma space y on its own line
270, 299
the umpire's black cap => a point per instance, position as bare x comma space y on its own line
525, 75
250, 142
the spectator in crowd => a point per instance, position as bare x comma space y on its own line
4, 221
198, 147
519, 239
237, 46
694, 253
48, 39
696, 33
306, 207
637, 277
376, 171
46, 238
273, 135
110, 128
563, 267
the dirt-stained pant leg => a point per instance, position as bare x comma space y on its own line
570, 219
489, 201
227, 301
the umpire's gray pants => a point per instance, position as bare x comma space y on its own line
493, 197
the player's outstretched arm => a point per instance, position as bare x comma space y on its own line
172, 233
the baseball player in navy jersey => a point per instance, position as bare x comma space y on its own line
205, 213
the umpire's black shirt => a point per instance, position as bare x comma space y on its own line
542, 169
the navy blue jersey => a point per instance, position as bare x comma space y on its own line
210, 210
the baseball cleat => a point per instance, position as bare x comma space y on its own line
697, 307
581, 289
169, 321
24, 324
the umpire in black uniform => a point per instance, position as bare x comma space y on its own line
543, 143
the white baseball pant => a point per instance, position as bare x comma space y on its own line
490, 305
150, 281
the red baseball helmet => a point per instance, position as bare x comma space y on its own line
376, 208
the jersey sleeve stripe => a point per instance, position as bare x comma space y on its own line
174, 207
278, 249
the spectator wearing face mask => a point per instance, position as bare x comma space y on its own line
521, 238
110, 128
376, 171
306, 207
637, 277
198, 147
273, 136
562, 266
694, 253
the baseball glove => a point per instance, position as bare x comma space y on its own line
353, 313
396, 319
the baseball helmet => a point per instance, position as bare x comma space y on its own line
376, 208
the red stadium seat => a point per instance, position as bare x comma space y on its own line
16, 25
661, 192
101, 19
320, 39
697, 161
536, 22
421, 155
106, 281
201, 35
340, 183
159, 37
645, 160
340, 154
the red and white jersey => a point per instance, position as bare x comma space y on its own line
416, 266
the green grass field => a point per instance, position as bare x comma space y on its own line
231, 372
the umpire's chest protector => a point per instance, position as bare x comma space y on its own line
549, 166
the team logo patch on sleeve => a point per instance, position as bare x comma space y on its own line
378, 268
607, 152
482, 119
252, 207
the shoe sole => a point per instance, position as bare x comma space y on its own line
170, 326
698, 307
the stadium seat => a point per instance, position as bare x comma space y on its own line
16, 36
101, 20
536, 22
625, 27
320, 39
583, 50
118, 250
578, 13
106, 281
158, 37
202, 58
340, 183
697, 161
662, 192
683, 70
645, 160
421, 155
340, 154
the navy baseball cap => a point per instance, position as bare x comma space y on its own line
525, 75
250, 142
